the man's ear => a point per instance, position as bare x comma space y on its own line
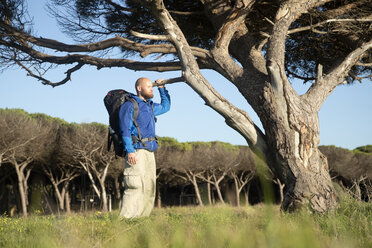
139, 88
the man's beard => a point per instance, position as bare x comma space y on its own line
148, 95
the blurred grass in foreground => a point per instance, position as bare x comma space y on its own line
350, 225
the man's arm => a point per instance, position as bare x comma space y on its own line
165, 103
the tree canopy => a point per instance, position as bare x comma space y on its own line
324, 35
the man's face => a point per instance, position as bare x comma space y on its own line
145, 89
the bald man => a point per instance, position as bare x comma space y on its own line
140, 167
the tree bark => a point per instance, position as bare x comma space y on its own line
61, 197
197, 192
300, 165
117, 190
237, 192
117, 187
102, 179
22, 181
23, 195
209, 193
158, 197
103, 195
68, 201
220, 197
246, 194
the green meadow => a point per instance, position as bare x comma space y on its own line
350, 225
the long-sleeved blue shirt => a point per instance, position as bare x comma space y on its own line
145, 121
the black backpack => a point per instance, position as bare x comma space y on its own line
113, 100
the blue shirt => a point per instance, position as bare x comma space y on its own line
145, 121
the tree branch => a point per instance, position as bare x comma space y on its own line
149, 36
358, 78
286, 14
170, 81
346, 8
220, 50
301, 29
186, 13
119, 7
305, 79
364, 64
232, 23
325, 85
117, 41
46, 81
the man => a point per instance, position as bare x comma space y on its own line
140, 168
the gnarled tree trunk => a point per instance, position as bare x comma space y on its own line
300, 164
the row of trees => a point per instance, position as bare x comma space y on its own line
210, 164
66, 154
63, 152
352, 169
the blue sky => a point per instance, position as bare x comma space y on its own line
345, 117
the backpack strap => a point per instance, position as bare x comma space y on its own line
135, 115
109, 139
152, 106
143, 140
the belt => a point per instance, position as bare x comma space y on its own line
143, 140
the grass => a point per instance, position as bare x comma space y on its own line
350, 225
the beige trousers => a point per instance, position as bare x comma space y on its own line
139, 186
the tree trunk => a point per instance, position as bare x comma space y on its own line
237, 191
68, 201
209, 193
281, 187
90, 176
292, 136
219, 193
94, 185
2, 189
22, 182
312, 188
246, 194
197, 192
103, 196
117, 190
26, 176
158, 197
299, 164
357, 190
66, 195
102, 180
22, 194
215, 182
60, 196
